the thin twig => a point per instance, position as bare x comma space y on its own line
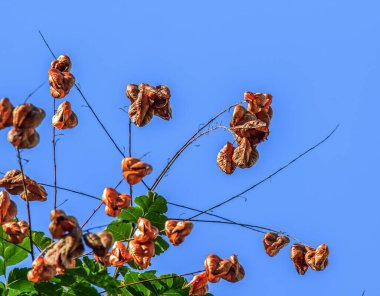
92, 214
267, 178
178, 153
54, 161
27, 204
34, 91
71, 190
21, 247
84, 98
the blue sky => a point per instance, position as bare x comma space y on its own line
319, 59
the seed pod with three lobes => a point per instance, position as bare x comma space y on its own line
134, 169
65, 118
23, 138
297, 255
8, 208
274, 243
27, 116
62, 63
99, 243
317, 258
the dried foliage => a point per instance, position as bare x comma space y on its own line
65, 118
274, 243
60, 78
176, 231
134, 169
115, 201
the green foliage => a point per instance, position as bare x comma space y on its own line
90, 277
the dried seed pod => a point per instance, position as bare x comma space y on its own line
34, 191
236, 271
6, 113
176, 231
258, 102
65, 118
119, 255
106, 238
141, 253
60, 83
216, 268
132, 92
241, 116
274, 243
317, 258
297, 255
105, 260
62, 63
8, 209
41, 271
115, 201
23, 138
224, 159
198, 285
245, 155
165, 112
27, 116
61, 224
134, 170
16, 231
139, 111
12, 182
99, 243
70, 247
145, 231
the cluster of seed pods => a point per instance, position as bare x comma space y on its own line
61, 254
147, 101
61, 81
215, 270
25, 119
115, 201
302, 256
250, 128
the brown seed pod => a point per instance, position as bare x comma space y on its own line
60, 83
245, 155
236, 271
34, 191
224, 159
176, 231
23, 138
6, 113
141, 253
65, 118
8, 209
105, 260
16, 231
27, 116
62, 63
139, 111
134, 169
115, 201
274, 243
106, 238
198, 285
119, 255
145, 231
258, 102
99, 243
12, 182
216, 268
297, 255
61, 224
317, 258
132, 92
41, 271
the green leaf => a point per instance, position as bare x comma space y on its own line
160, 245
17, 280
159, 204
14, 254
40, 239
144, 202
48, 288
120, 229
157, 220
2, 267
132, 214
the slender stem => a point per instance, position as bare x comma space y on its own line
178, 153
54, 161
21, 247
160, 278
27, 204
267, 178
87, 103
34, 91
92, 214
71, 190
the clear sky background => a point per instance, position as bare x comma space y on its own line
319, 59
